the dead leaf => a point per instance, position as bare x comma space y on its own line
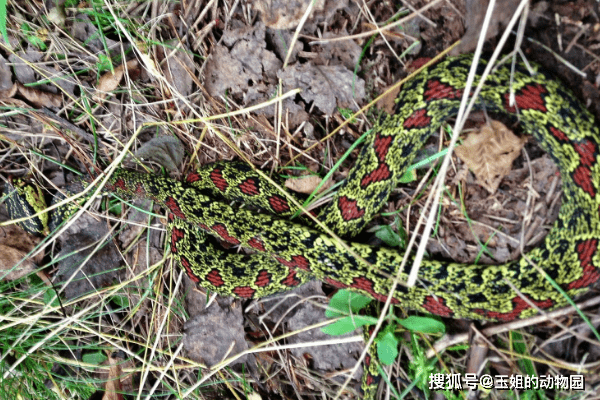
57, 15
241, 62
476, 10
15, 244
388, 101
307, 184
6, 83
78, 242
9, 93
284, 14
84, 30
214, 334
113, 388
346, 53
110, 81
490, 153
38, 97
9, 258
168, 151
178, 69
323, 358
327, 86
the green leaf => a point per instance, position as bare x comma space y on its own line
30, 36
104, 63
345, 302
389, 236
37, 42
387, 348
25, 28
423, 324
95, 358
347, 113
115, 207
50, 296
408, 176
3, 16
122, 301
348, 324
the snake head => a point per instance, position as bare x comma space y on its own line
25, 201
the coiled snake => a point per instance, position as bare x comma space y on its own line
288, 254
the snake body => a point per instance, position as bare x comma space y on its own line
288, 254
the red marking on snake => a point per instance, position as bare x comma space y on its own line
176, 235
244, 291
186, 264
381, 144
249, 187
192, 177
417, 119
437, 306
139, 190
263, 278
222, 231
216, 176
586, 150
419, 62
120, 184
278, 204
366, 285
173, 206
350, 209
529, 98
560, 135
381, 173
290, 280
335, 283
583, 178
204, 227
257, 244
437, 90
590, 274
214, 277
519, 305
369, 379
298, 261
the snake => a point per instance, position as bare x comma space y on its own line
286, 253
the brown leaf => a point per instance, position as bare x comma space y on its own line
476, 10
15, 244
327, 86
277, 14
215, 333
490, 153
9, 257
109, 81
10, 92
78, 243
113, 386
40, 98
307, 184
178, 69
388, 102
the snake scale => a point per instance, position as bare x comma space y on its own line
287, 254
